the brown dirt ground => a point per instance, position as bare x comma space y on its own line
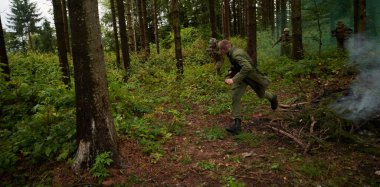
275, 161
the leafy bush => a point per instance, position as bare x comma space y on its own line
37, 113
99, 168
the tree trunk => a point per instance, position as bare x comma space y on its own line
61, 42
155, 22
145, 24
284, 15
123, 34
134, 22
66, 27
244, 16
130, 25
115, 33
95, 127
319, 25
271, 15
252, 42
359, 21
359, 16
297, 30
3, 56
234, 18
226, 19
211, 8
278, 24
177, 38
141, 25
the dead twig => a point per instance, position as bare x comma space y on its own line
293, 105
310, 142
297, 140
288, 110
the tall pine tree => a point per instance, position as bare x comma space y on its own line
22, 20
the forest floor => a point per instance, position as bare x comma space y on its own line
204, 155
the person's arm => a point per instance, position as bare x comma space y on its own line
278, 41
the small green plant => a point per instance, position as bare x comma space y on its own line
231, 181
186, 159
314, 169
236, 159
99, 169
276, 166
214, 133
247, 138
206, 165
218, 109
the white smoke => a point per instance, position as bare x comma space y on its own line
363, 102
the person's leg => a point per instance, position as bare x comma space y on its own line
237, 94
218, 67
272, 99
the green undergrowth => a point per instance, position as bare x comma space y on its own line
37, 112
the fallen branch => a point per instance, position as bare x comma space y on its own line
293, 105
288, 110
310, 143
298, 141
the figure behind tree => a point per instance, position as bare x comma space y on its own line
286, 41
215, 54
341, 33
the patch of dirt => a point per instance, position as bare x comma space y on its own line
275, 161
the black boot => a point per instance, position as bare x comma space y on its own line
274, 102
235, 127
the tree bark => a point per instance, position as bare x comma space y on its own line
130, 25
297, 30
252, 38
141, 25
61, 42
359, 21
95, 126
115, 33
135, 24
226, 19
66, 27
359, 16
177, 38
271, 15
3, 56
123, 34
278, 24
284, 15
211, 8
145, 24
234, 18
155, 22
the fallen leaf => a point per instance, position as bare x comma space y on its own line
245, 155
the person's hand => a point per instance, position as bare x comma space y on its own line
229, 81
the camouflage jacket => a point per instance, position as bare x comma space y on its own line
285, 39
214, 53
242, 68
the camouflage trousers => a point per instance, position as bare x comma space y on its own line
218, 66
238, 90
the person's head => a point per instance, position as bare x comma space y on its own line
224, 46
340, 24
213, 43
286, 30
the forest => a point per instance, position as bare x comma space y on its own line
190, 93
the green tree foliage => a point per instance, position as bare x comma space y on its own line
23, 20
45, 40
